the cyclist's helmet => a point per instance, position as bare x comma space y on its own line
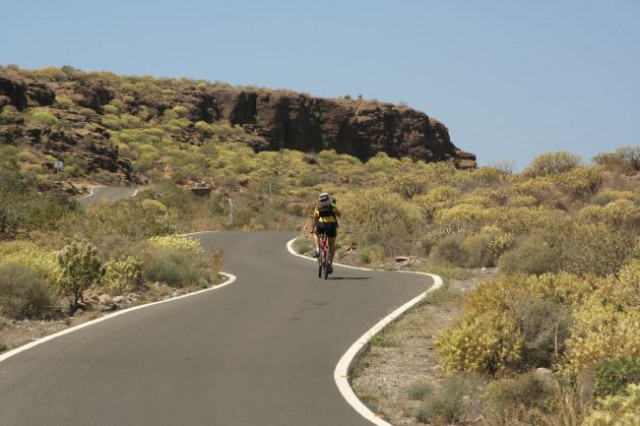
324, 197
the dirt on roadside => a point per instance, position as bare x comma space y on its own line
404, 356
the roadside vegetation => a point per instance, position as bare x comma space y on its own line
552, 339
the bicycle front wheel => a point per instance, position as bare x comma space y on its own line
326, 264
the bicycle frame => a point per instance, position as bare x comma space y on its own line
324, 258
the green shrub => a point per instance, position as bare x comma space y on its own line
450, 250
484, 249
518, 400
8, 115
23, 293
552, 164
43, 211
613, 376
382, 218
545, 327
462, 218
405, 185
10, 221
442, 296
42, 116
580, 182
532, 255
592, 248
601, 333
63, 102
630, 156
420, 391
32, 257
177, 267
122, 276
303, 246
484, 343
446, 405
478, 253
621, 213
178, 242
80, 268
625, 159
114, 228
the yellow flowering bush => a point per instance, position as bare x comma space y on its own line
488, 343
552, 163
25, 253
178, 242
379, 217
122, 276
602, 333
617, 410
581, 181
622, 213
462, 218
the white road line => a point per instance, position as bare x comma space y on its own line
230, 279
341, 373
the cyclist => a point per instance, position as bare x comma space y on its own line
325, 219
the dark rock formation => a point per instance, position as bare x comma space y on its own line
278, 119
299, 122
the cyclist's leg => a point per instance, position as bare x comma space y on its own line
332, 247
332, 233
316, 238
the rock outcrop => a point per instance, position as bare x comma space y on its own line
276, 119
358, 128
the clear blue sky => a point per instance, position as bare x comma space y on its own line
510, 79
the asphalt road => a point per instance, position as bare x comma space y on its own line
105, 194
258, 352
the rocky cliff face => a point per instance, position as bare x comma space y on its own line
362, 129
277, 119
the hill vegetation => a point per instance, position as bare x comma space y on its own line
563, 235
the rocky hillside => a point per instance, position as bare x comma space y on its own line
72, 113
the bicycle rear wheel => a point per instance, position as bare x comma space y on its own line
326, 264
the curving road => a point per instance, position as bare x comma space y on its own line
106, 194
259, 352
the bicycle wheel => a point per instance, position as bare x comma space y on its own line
326, 264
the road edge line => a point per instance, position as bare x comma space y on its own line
342, 371
230, 279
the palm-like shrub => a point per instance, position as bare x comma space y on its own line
80, 270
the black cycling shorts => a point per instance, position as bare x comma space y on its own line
329, 228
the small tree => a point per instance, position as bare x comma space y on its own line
631, 156
81, 269
552, 164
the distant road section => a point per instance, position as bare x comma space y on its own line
105, 194
259, 352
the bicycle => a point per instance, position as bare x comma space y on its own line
324, 257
